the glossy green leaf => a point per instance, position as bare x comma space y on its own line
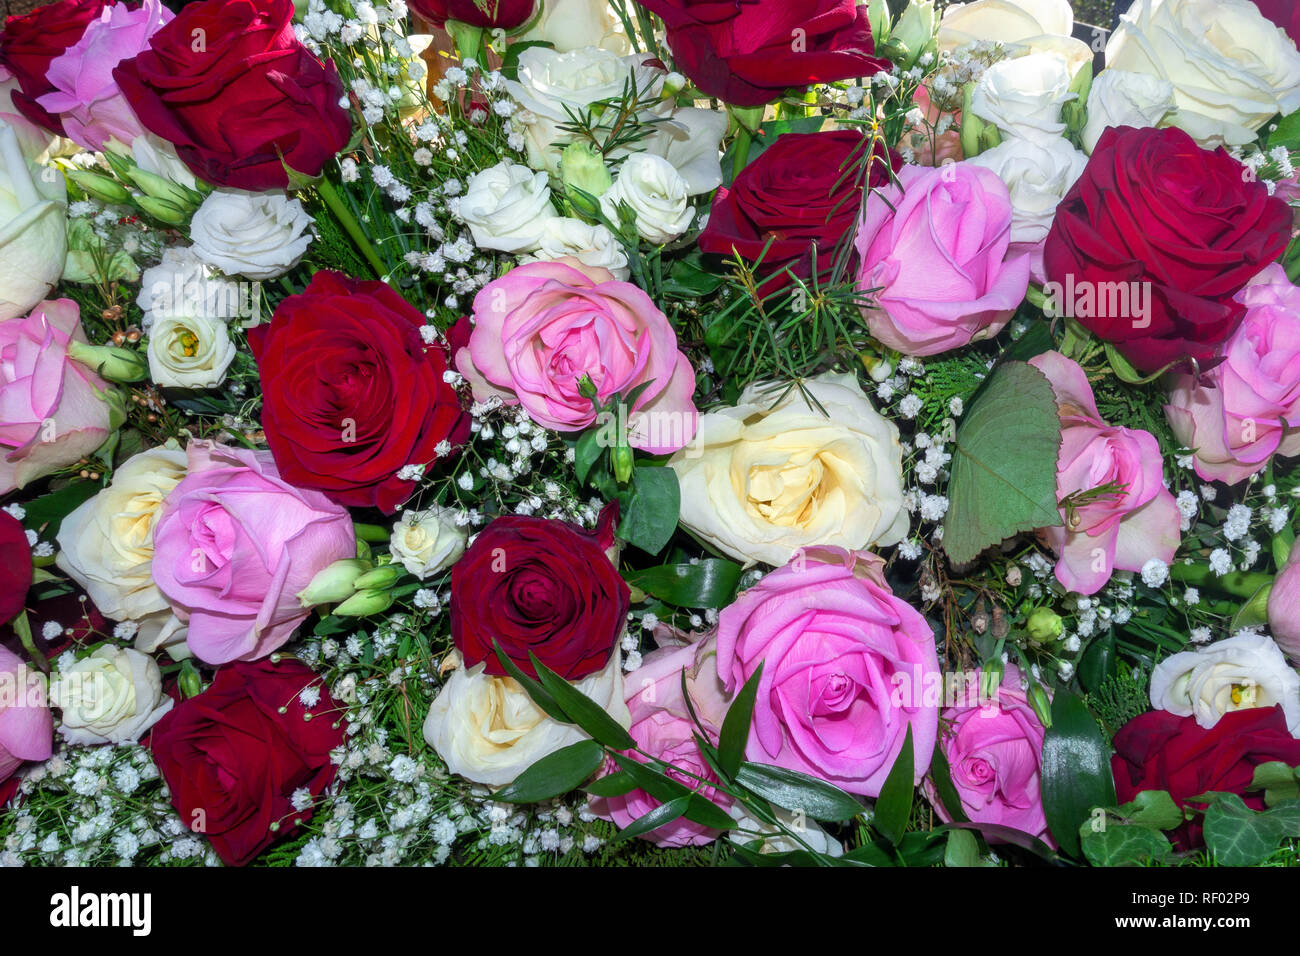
536, 691
796, 791
735, 726
555, 774
1075, 771
612, 785
708, 583
894, 805
1119, 844
582, 710
651, 516
660, 816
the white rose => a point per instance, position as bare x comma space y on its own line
183, 284
33, 228
1121, 98
427, 542
1236, 674
591, 245
574, 24
506, 208
763, 480
1019, 26
1038, 174
189, 351
106, 544
655, 191
488, 730
258, 235
1232, 70
163, 631
112, 696
1023, 97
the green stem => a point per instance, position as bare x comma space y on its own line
744, 139
23, 628
1242, 584
325, 189
372, 532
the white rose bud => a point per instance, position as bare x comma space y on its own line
1242, 672
1121, 98
33, 228
656, 192
591, 245
506, 208
1023, 97
112, 696
189, 351
257, 235
427, 542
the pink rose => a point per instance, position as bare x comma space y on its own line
662, 726
1120, 514
929, 148
85, 93
994, 752
847, 668
1284, 607
52, 409
543, 326
1246, 409
26, 726
940, 259
234, 545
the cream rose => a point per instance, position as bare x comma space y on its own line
574, 24
506, 208
488, 730
33, 228
592, 245
189, 351
1121, 98
655, 191
428, 541
106, 544
1236, 674
1231, 69
111, 697
1018, 26
1023, 97
257, 235
774, 474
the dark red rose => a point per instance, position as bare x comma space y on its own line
351, 391
229, 85
506, 14
1154, 208
803, 191
233, 756
15, 567
748, 52
1285, 13
1161, 751
540, 585
32, 41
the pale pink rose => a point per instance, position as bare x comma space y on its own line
26, 726
940, 259
929, 148
662, 726
542, 326
85, 94
994, 752
235, 544
52, 409
1246, 409
847, 668
1130, 517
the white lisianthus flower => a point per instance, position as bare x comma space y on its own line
1241, 672
1232, 70
1121, 98
654, 190
427, 542
773, 474
106, 544
33, 228
592, 245
189, 351
257, 235
488, 730
1018, 26
506, 208
183, 284
112, 696
574, 24
1023, 97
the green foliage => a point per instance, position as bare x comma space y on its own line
1119, 698
1075, 771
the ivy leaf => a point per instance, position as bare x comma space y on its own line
1153, 808
1277, 780
555, 774
1123, 845
1004, 466
1239, 836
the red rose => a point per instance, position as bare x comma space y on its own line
1161, 751
803, 191
1156, 212
15, 567
535, 584
506, 14
229, 85
351, 391
1285, 13
32, 41
748, 52
233, 756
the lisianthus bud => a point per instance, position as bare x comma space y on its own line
878, 15
623, 464
365, 603
99, 186
159, 188
1039, 700
334, 583
162, 210
379, 579
971, 125
991, 678
582, 166
1044, 626
113, 363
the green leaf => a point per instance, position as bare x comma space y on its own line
1254, 612
735, 726
663, 814
1075, 772
586, 452
666, 790
1287, 133
796, 791
555, 774
1004, 466
1277, 780
50, 509
1153, 808
894, 805
1236, 834
612, 785
1122, 845
1026, 841
536, 691
1097, 662
941, 777
651, 516
510, 62
710, 583
962, 849
582, 710
705, 812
